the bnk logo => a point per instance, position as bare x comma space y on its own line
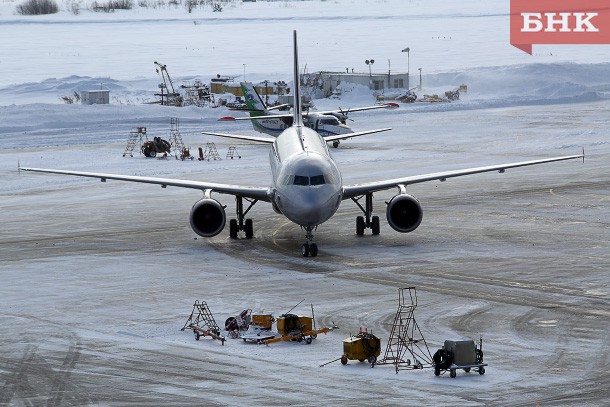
559, 22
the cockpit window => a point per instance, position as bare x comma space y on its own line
317, 180
304, 180
301, 180
330, 121
330, 179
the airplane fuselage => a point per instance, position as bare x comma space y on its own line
307, 185
324, 125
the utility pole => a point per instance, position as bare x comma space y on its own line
408, 51
370, 63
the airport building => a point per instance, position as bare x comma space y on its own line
326, 82
95, 97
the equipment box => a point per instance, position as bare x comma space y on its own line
459, 355
361, 347
464, 352
287, 324
264, 321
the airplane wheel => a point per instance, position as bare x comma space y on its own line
249, 229
305, 250
375, 225
335, 144
233, 228
359, 225
313, 250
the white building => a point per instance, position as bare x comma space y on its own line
326, 82
95, 97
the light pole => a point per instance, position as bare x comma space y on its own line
244, 72
419, 78
408, 51
370, 63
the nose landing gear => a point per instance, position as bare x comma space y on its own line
309, 248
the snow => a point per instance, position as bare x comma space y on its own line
98, 278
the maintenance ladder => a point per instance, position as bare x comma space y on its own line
406, 336
232, 152
175, 138
211, 152
201, 314
135, 136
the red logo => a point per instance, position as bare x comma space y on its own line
558, 22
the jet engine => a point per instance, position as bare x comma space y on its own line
208, 217
404, 213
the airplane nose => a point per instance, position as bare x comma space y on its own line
309, 207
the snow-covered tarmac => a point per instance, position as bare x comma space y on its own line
98, 278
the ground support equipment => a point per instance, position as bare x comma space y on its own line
406, 337
307, 335
135, 136
239, 323
364, 346
259, 329
459, 355
202, 316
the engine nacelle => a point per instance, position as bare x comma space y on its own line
404, 213
207, 217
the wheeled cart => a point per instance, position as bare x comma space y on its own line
456, 355
364, 346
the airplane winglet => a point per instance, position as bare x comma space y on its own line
583, 155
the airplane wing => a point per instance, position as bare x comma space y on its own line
258, 139
305, 114
351, 191
345, 136
271, 116
390, 105
260, 193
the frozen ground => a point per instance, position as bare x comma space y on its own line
98, 278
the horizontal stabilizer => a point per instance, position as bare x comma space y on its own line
345, 136
257, 139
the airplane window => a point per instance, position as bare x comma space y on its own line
317, 180
301, 180
330, 121
288, 180
330, 179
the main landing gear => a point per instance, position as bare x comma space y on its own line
336, 143
242, 224
309, 248
366, 221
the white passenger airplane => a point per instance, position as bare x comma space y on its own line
329, 124
306, 185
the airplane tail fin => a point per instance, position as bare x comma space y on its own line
297, 110
255, 104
